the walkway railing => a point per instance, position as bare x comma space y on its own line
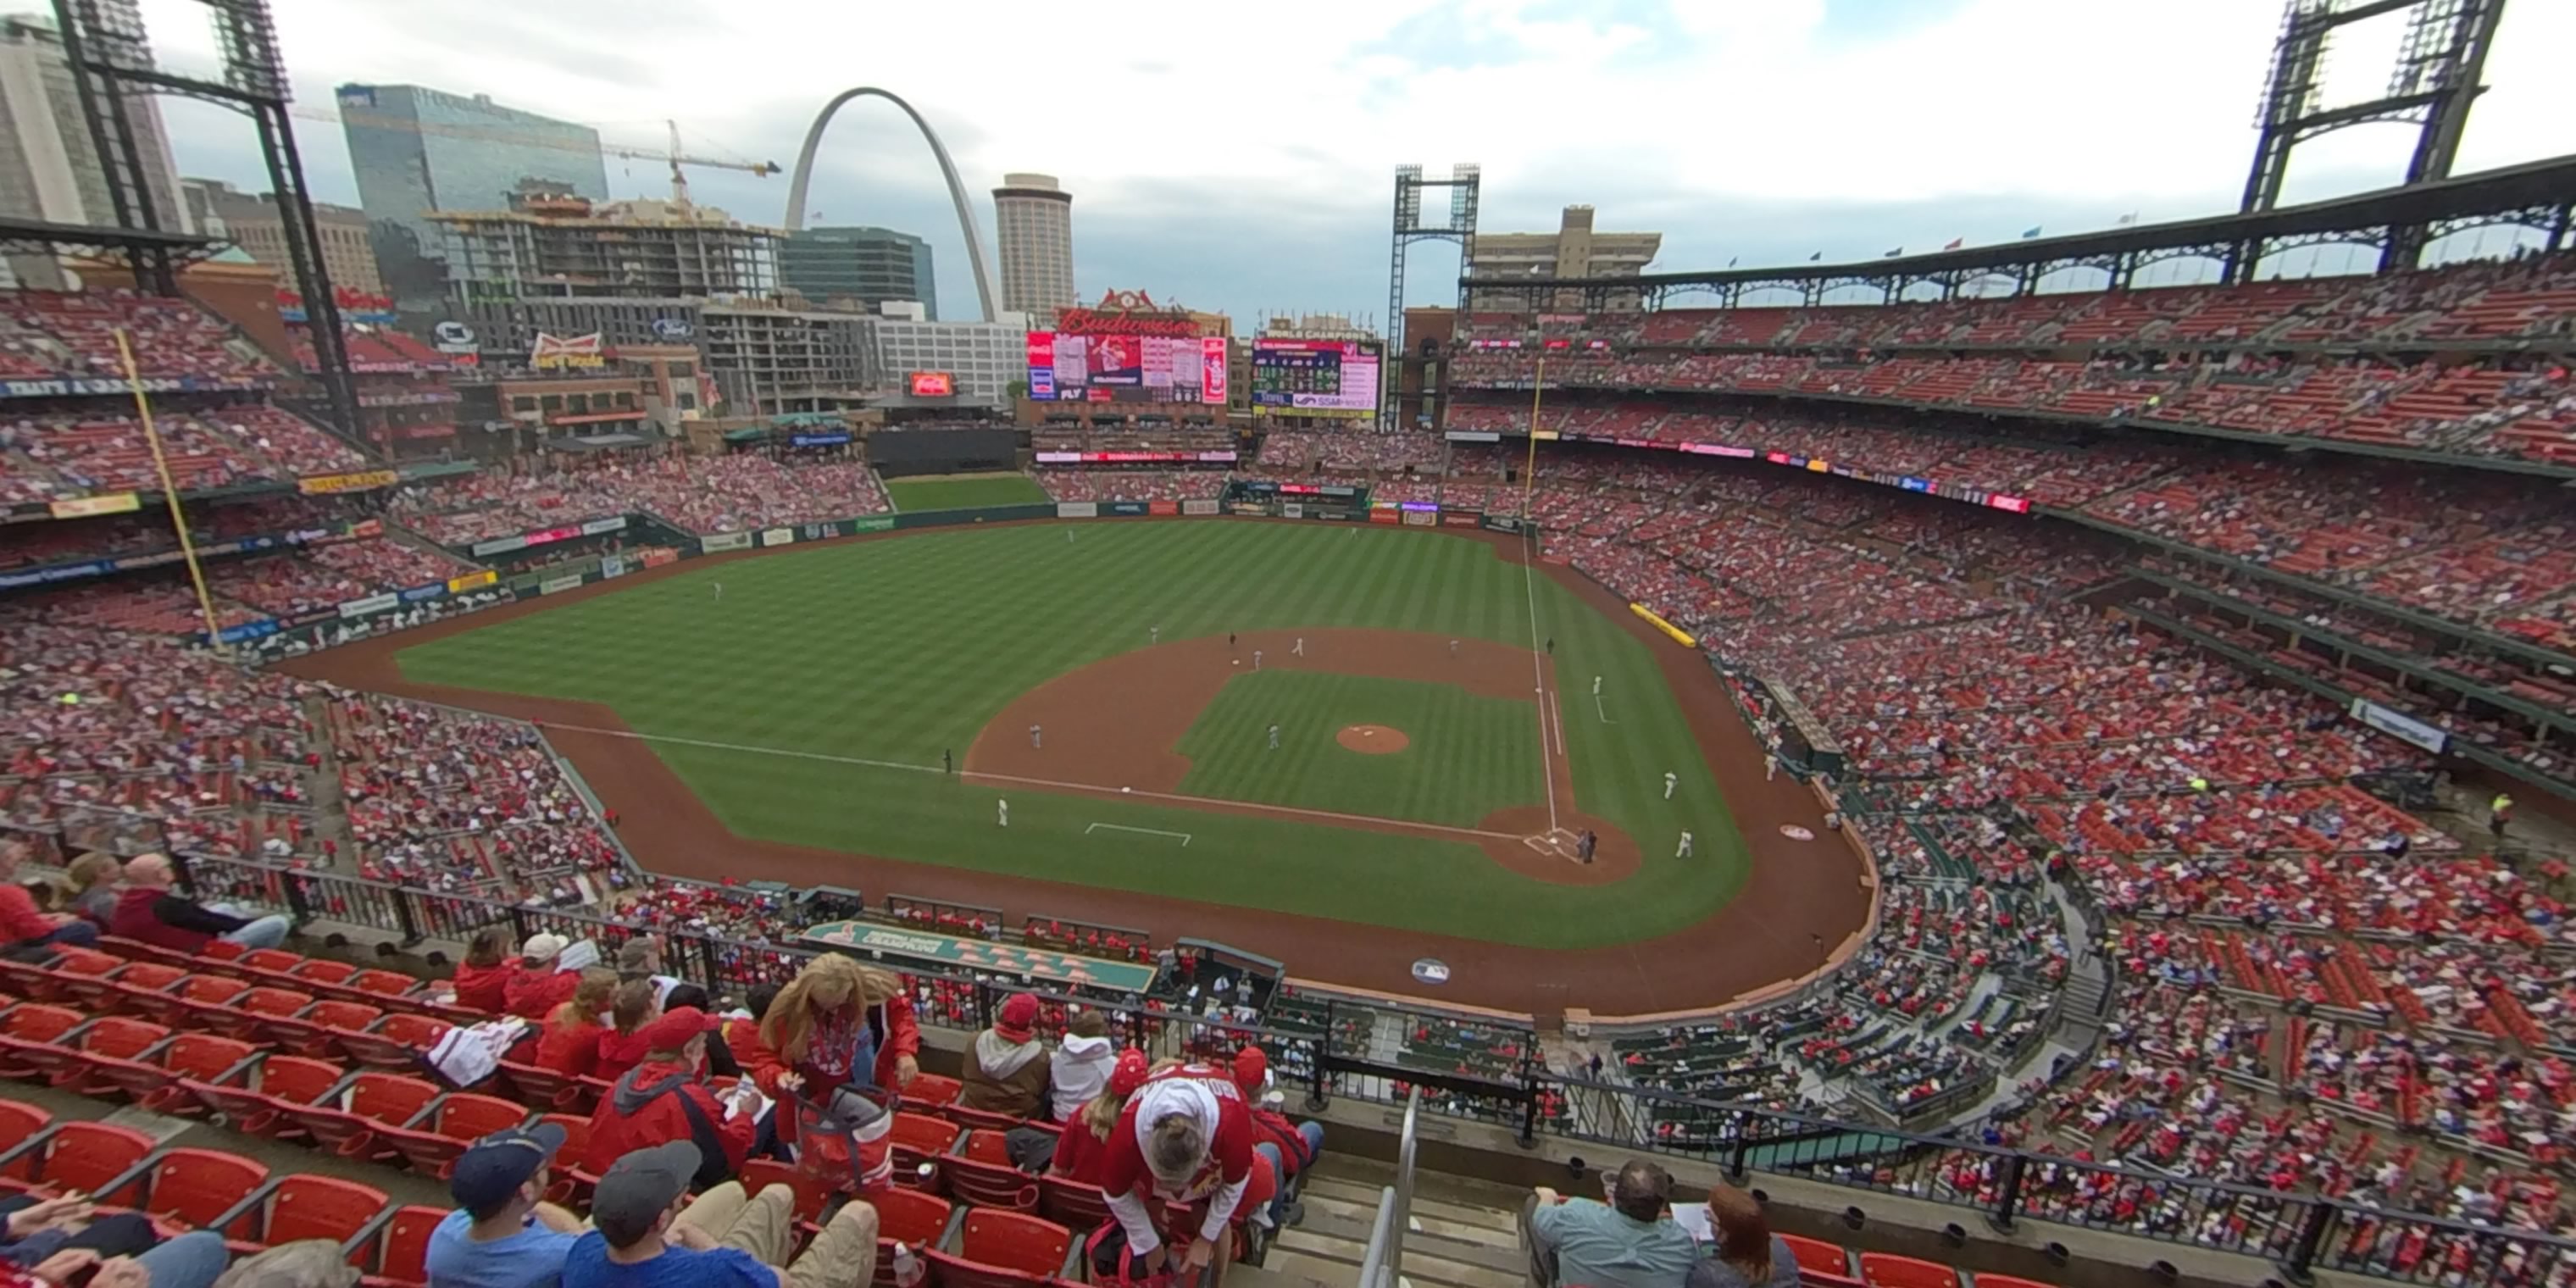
2299, 1232
1382, 1265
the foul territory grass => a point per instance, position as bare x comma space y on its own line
964, 491
898, 649
1466, 757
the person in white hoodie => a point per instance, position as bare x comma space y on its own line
1006, 1070
1082, 1063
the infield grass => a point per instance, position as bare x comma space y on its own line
964, 491
1467, 756
896, 649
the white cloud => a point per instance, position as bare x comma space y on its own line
1711, 116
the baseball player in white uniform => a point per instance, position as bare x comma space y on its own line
1671, 781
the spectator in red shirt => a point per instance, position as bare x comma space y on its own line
839, 1022
537, 988
1185, 1136
150, 911
1082, 1148
24, 931
570, 1043
661, 1100
482, 980
630, 1012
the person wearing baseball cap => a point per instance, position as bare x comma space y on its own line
1007, 1068
503, 1234
540, 987
661, 1100
649, 1234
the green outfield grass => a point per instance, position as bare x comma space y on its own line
892, 651
964, 491
1468, 755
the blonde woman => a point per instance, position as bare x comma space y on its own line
839, 1021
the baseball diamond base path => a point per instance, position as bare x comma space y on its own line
1797, 896
1115, 724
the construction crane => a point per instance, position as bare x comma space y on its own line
675, 155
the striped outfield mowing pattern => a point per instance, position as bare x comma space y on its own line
964, 491
1467, 755
894, 650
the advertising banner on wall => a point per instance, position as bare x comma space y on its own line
656, 556
612, 566
1127, 507
725, 541
556, 353
82, 507
873, 523
1162, 507
471, 581
2398, 725
597, 526
370, 604
1293, 510
1077, 509
558, 585
778, 537
326, 484
1198, 506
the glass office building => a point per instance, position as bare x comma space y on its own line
869, 265
416, 150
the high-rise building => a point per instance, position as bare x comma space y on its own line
1034, 219
867, 265
550, 243
416, 150
49, 167
982, 357
251, 222
1573, 250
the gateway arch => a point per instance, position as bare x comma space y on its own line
947, 169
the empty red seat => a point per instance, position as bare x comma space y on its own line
322, 970
547, 1089
402, 1251
982, 1175
274, 961
1818, 1255
917, 1139
256, 1097
107, 1057
27, 1034
382, 983
135, 950
981, 1120
87, 980
457, 1120
1887, 1270
201, 1002
1072, 1204
2009, 1281
347, 1123
189, 1189
320, 1030
19, 1123
141, 989
78, 1156
248, 1016
812, 1193
929, 1091
908, 1217
303, 1206
1001, 1250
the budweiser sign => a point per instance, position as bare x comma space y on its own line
555, 353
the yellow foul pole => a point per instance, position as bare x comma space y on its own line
169, 490
1529, 468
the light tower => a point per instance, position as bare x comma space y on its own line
2433, 83
1459, 227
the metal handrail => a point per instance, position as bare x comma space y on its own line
1382, 1264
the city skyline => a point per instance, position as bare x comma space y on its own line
1262, 208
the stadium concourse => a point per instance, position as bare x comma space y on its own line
2312, 987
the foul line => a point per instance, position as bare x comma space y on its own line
1149, 831
1217, 804
1538, 668
1559, 715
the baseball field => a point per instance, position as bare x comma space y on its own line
964, 491
1364, 735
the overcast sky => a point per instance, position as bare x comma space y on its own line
1238, 156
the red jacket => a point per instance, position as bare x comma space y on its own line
533, 993
618, 1052
1079, 1155
20, 919
898, 1035
652, 1105
167, 920
571, 1049
1209, 1095
484, 988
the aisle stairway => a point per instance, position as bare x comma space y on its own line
1465, 1234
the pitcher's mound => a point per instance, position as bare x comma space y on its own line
1372, 740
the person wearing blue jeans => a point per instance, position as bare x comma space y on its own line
257, 930
1284, 1209
26, 930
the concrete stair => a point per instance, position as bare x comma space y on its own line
1465, 1234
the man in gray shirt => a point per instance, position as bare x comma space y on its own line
1625, 1243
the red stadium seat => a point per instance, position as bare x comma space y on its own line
432, 1143
258, 1099
107, 1057
929, 1091
1001, 1250
196, 1058
78, 1156
384, 984
907, 1217
402, 1251
1887, 1270
1069, 1202
20, 1122
571, 1186
812, 1193
347, 1123
83, 984
188, 1189
143, 989
249, 1015
200, 1002
547, 1089
322, 971
2008, 1281
271, 961
135, 950
981, 1120
304, 1206
27, 1035
396, 1041
983, 1176
918, 1139
316, 1032
1816, 1254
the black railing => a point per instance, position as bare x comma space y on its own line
1332, 1058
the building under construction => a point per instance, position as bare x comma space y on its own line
552, 243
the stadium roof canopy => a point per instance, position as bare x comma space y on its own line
2538, 194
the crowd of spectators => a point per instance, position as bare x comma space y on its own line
1400, 449
736, 492
1098, 484
52, 333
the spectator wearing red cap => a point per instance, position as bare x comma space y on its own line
1291, 1147
661, 1100
1082, 1148
1006, 1069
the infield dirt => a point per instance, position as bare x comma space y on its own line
1797, 897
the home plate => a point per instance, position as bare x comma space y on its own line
1564, 843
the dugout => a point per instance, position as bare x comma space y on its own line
1804, 740
1206, 973
904, 948
962, 449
